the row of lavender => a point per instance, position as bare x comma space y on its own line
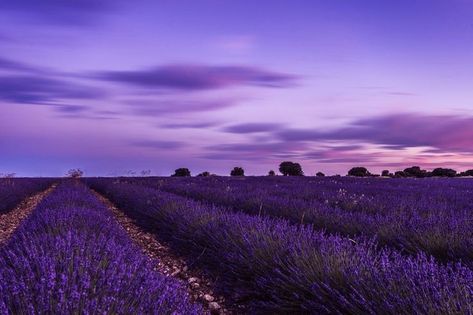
13, 191
70, 256
284, 268
429, 215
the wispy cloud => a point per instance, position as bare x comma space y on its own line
252, 128
29, 89
13, 65
158, 144
176, 106
190, 125
59, 11
70, 109
199, 77
404, 130
252, 151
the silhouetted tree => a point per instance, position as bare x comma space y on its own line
75, 173
467, 173
415, 171
385, 173
444, 172
359, 172
237, 171
288, 168
400, 174
145, 172
181, 172
271, 173
204, 174
320, 174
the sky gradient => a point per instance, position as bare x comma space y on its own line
116, 87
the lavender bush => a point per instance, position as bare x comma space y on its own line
411, 215
278, 267
14, 190
71, 257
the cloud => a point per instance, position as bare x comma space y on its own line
59, 11
252, 128
29, 89
161, 107
404, 130
253, 151
193, 77
71, 109
158, 144
190, 125
12, 65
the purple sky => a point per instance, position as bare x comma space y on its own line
117, 86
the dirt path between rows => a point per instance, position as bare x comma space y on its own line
10, 221
199, 288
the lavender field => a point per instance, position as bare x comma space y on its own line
248, 245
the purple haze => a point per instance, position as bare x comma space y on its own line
115, 87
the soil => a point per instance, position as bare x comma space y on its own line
167, 263
10, 221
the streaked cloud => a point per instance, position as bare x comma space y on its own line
192, 77
158, 144
59, 11
403, 130
177, 106
252, 128
29, 89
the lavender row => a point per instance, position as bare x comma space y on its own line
279, 267
70, 256
13, 191
430, 215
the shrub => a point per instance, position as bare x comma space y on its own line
444, 172
204, 174
467, 173
320, 174
271, 173
181, 172
415, 171
288, 168
385, 173
237, 171
400, 174
359, 172
75, 173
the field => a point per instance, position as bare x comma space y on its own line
242, 245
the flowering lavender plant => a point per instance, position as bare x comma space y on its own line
70, 256
280, 267
14, 190
429, 215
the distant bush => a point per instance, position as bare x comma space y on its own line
75, 173
237, 171
444, 172
271, 173
385, 173
181, 172
320, 174
415, 171
288, 168
399, 174
145, 172
359, 172
204, 174
467, 173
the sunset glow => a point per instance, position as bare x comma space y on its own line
117, 87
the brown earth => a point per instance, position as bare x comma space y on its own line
10, 221
198, 286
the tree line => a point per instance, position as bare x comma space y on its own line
288, 168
